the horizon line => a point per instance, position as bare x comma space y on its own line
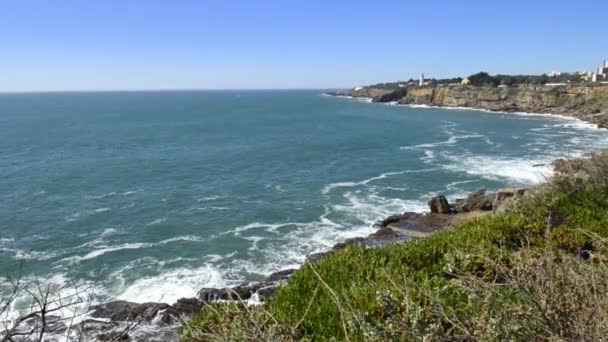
161, 90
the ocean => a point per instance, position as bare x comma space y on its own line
152, 196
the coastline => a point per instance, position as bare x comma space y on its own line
586, 102
589, 124
113, 317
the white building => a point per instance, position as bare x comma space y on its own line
602, 72
421, 82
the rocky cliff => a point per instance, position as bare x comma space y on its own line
589, 103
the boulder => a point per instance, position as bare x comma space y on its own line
478, 200
439, 205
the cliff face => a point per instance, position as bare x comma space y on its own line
589, 103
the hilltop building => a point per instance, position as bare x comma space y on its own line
421, 82
466, 81
602, 71
600, 75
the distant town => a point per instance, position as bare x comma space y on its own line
553, 78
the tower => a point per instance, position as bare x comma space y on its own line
421, 82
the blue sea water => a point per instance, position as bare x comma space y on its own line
154, 195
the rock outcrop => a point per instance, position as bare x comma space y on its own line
477, 200
439, 205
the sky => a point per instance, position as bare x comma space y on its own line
261, 44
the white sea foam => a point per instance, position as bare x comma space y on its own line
368, 208
450, 141
328, 188
157, 221
108, 232
94, 197
7, 245
104, 249
34, 255
170, 286
258, 225
86, 213
254, 240
395, 188
208, 198
453, 185
429, 156
520, 170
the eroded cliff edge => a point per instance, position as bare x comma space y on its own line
585, 102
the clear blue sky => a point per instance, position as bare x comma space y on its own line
129, 44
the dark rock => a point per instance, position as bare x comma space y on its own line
183, 308
478, 200
127, 311
240, 292
188, 306
387, 221
280, 275
394, 95
439, 205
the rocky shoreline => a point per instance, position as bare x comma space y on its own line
585, 102
127, 321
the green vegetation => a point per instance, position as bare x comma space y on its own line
536, 272
484, 79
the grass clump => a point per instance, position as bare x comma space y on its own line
536, 272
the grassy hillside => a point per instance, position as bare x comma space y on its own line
536, 272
